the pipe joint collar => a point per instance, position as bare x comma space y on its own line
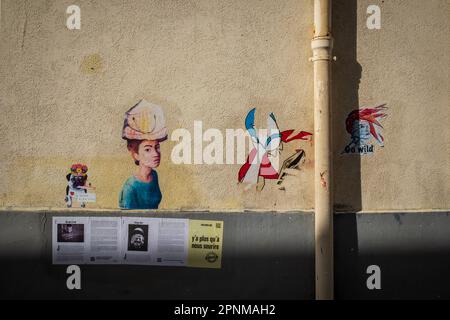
322, 47
322, 43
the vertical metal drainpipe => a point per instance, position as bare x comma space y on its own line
322, 55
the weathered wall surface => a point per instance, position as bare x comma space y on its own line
265, 256
405, 65
253, 267
63, 94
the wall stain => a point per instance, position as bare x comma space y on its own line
25, 23
92, 64
398, 218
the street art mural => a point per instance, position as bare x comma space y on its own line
291, 166
143, 129
364, 126
262, 161
78, 186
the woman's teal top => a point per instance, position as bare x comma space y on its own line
136, 194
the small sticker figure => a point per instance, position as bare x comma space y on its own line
77, 183
144, 128
364, 125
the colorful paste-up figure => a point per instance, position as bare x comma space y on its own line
363, 125
77, 183
266, 148
144, 128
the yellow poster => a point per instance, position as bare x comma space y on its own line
205, 244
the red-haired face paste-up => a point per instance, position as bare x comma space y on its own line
258, 166
364, 125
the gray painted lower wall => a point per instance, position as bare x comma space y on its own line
412, 250
265, 256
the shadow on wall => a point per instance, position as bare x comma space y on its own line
265, 256
346, 75
411, 249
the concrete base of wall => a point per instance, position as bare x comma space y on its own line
265, 256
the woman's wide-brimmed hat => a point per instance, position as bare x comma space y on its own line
144, 121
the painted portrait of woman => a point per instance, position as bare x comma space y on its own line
144, 129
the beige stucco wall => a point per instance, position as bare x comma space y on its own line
200, 60
63, 94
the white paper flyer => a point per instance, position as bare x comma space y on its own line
70, 240
105, 240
